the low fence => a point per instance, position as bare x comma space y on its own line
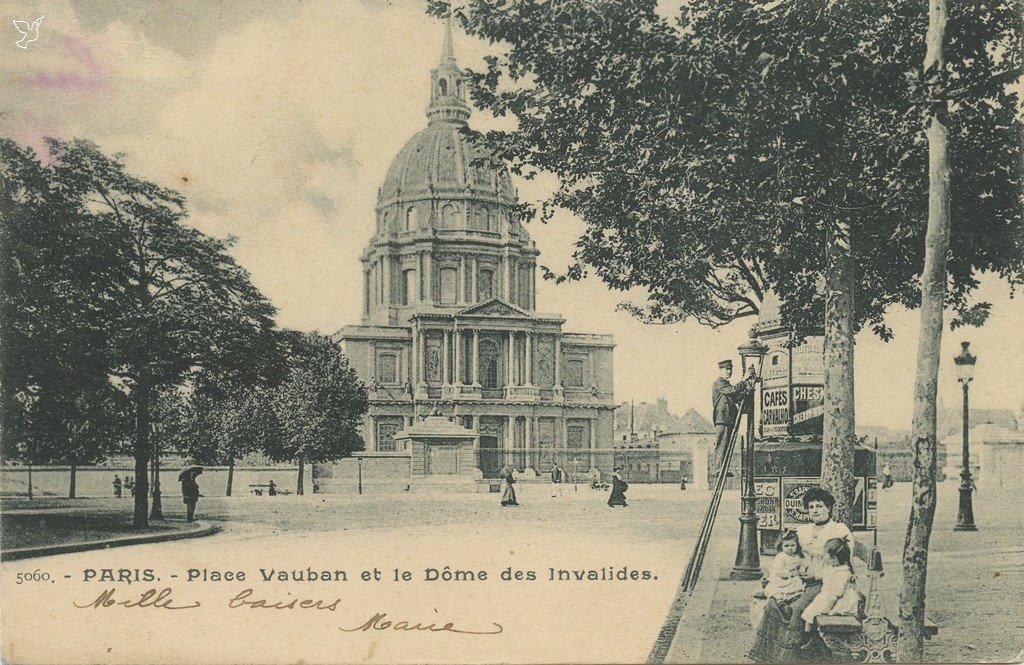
91, 481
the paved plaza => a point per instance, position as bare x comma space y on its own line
976, 581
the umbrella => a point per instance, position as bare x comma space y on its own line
190, 471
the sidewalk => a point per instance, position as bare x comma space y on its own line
28, 533
975, 586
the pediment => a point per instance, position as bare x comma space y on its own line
495, 307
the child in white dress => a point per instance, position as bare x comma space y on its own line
839, 593
784, 582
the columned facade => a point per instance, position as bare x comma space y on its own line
450, 321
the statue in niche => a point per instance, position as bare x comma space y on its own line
433, 364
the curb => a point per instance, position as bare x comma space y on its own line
50, 550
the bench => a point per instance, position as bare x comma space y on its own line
868, 640
873, 638
257, 489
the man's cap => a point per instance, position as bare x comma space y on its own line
725, 363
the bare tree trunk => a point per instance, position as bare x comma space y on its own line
933, 290
839, 438
140, 519
231, 474
71, 488
157, 513
302, 467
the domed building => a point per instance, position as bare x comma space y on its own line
450, 324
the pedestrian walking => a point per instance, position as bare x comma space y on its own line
619, 487
129, 484
190, 490
117, 486
271, 488
886, 477
508, 497
725, 399
557, 477
682, 483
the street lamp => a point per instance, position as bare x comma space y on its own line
575, 473
360, 461
965, 372
748, 561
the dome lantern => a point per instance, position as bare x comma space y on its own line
448, 86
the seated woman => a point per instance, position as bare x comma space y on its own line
780, 636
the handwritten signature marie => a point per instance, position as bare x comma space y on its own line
379, 621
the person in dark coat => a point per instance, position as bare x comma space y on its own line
557, 477
117, 486
508, 498
619, 487
190, 491
272, 488
725, 399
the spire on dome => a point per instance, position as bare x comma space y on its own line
447, 51
448, 85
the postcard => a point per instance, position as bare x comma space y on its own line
374, 331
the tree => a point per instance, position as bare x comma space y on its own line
181, 301
223, 422
59, 404
757, 146
319, 405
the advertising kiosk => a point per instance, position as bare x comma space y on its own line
790, 416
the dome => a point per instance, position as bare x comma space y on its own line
439, 162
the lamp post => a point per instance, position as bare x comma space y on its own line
748, 561
360, 461
575, 473
965, 372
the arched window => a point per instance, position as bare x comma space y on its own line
411, 219
387, 368
490, 356
442, 87
449, 286
448, 215
409, 287
485, 285
459, 90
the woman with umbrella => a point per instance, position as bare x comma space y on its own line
190, 489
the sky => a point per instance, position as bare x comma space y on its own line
278, 120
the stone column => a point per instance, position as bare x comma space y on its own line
414, 357
476, 445
506, 277
476, 357
593, 443
528, 370
428, 279
421, 358
446, 369
385, 265
565, 440
462, 279
473, 295
458, 356
557, 388
530, 423
510, 439
510, 379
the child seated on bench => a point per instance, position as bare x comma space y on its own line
784, 583
839, 593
